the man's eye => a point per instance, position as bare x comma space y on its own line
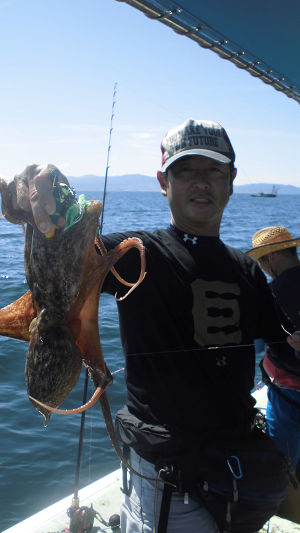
182, 170
188, 168
217, 169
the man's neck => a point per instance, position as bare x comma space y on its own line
201, 230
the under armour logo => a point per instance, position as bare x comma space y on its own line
193, 240
221, 360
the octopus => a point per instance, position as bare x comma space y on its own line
58, 315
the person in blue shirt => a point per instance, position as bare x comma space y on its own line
276, 251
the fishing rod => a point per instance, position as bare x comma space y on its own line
75, 500
108, 155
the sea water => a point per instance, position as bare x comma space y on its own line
38, 464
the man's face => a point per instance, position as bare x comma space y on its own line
271, 264
198, 189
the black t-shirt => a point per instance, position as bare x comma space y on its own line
197, 294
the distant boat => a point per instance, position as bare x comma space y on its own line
271, 194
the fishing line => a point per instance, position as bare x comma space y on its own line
116, 371
200, 349
285, 330
75, 501
168, 352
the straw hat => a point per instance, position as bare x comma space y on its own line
269, 240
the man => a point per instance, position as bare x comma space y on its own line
276, 251
187, 334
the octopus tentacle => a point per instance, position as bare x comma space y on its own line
136, 243
102, 249
15, 318
84, 407
120, 279
101, 380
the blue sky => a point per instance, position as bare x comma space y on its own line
59, 62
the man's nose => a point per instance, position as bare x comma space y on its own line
200, 178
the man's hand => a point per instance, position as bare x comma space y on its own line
294, 340
34, 192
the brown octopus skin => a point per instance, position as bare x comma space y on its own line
82, 319
59, 315
54, 269
16, 317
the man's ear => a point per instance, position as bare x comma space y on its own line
265, 263
162, 178
233, 176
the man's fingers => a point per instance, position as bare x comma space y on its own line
294, 340
21, 194
61, 223
34, 192
41, 218
41, 188
42, 198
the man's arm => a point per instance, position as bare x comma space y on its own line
270, 328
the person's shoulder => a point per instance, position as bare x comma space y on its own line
148, 238
288, 274
242, 257
249, 268
287, 279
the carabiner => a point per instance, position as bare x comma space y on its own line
239, 474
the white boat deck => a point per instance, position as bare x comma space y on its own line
105, 496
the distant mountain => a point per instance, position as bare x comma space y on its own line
127, 182
140, 182
253, 188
